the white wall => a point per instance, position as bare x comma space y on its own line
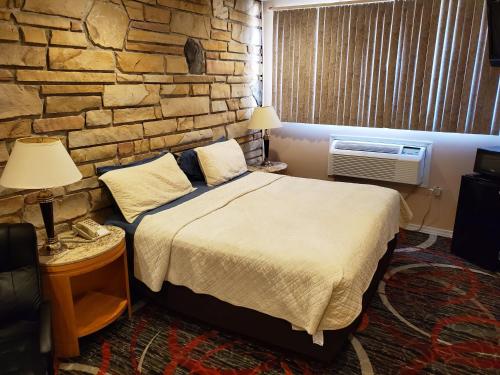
305, 147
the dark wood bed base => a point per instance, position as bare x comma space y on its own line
274, 331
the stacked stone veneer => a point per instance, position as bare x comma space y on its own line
111, 80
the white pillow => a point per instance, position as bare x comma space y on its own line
147, 186
222, 161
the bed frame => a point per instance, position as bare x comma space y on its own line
240, 320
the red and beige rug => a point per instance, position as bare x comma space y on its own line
434, 313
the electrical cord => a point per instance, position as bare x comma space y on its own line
410, 193
73, 237
426, 214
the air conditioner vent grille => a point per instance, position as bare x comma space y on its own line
368, 147
365, 167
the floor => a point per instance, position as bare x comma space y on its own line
434, 314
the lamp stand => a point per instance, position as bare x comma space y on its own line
45, 200
266, 162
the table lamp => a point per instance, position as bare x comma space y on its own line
265, 118
41, 163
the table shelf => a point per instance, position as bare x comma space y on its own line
95, 310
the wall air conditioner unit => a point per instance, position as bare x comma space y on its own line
379, 159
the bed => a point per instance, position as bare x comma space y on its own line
289, 261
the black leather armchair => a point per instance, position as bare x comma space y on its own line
25, 325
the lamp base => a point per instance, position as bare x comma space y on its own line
266, 163
49, 249
53, 246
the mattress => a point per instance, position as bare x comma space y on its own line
297, 249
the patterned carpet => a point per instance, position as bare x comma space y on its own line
434, 314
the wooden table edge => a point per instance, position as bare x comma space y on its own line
87, 265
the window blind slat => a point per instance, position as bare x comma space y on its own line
357, 63
486, 97
279, 64
310, 65
428, 66
447, 43
372, 66
436, 66
328, 83
287, 68
303, 80
471, 58
398, 66
463, 53
391, 64
277, 61
342, 71
349, 63
412, 26
320, 75
415, 98
325, 37
296, 53
368, 65
384, 55
416, 20
359, 109
449, 83
477, 76
331, 100
342, 42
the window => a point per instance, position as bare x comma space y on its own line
404, 64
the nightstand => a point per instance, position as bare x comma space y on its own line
275, 167
88, 288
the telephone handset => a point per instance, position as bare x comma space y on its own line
90, 230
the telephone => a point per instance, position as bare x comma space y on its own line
90, 230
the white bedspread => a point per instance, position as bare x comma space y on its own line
298, 249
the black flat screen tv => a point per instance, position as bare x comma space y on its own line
494, 31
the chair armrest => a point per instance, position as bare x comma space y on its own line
45, 328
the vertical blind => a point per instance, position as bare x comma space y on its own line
405, 64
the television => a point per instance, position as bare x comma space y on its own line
494, 31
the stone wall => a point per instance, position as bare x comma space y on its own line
118, 81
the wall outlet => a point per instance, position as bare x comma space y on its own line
436, 191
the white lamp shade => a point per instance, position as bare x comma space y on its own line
264, 118
39, 163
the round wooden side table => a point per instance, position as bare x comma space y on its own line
88, 289
275, 167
